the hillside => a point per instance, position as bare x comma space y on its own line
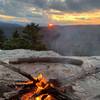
74, 40
66, 40
9, 28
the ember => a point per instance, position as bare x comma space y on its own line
39, 89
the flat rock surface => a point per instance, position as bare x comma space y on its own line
87, 87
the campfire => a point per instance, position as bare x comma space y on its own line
39, 89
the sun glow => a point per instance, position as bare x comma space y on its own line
50, 25
92, 17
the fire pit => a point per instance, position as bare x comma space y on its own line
36, 88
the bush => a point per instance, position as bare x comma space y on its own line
30, 38
2, 38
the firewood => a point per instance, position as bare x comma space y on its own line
57, 94
47, 60
11, 94
12, 67
70, 79
17, 94
30, 87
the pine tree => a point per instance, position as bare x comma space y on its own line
2, 38
31, 34
16, 34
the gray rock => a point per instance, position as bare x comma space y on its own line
86, 87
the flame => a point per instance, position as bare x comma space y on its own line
24, 83
42, 84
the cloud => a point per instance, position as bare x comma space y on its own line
41, 11
65, 5
22, 9
14, 18
91, 17
5, 17
75, 5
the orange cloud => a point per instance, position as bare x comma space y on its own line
5, 17
14, 18
92, 17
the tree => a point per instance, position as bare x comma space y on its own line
31, 35
15, 34
2, 38
30, 38
15, 42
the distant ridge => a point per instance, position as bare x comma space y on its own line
73, 39
70, 40
9, 28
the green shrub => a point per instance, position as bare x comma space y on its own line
29, 38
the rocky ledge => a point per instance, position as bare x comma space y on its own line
85, 78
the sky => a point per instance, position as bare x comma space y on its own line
60, 12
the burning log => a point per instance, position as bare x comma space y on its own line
47, 60
55, 93
42, 90
34, 89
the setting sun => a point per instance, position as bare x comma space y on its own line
50, 25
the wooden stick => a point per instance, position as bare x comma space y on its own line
11, 94
47, 60
12, 67
57, 94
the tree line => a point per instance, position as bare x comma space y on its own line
29, 38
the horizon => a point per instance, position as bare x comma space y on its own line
54, 25
57, 12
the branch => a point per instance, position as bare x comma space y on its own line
9, 95
12, 67
47, 60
